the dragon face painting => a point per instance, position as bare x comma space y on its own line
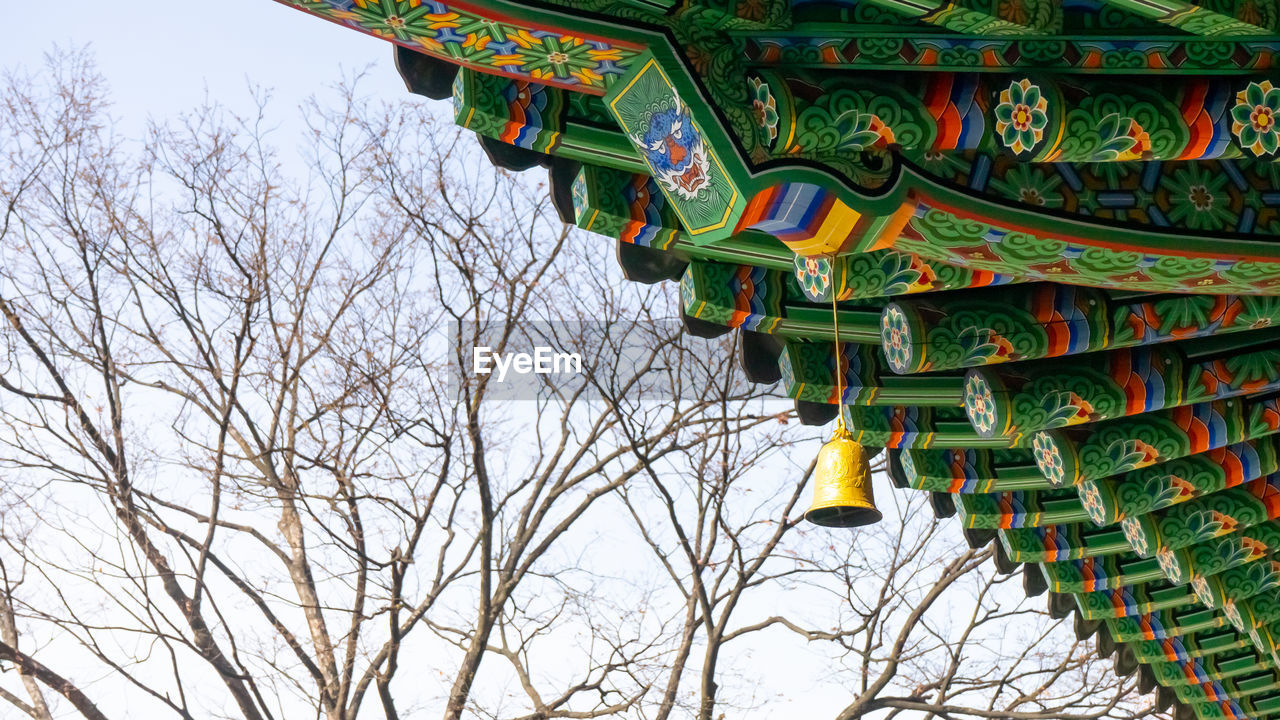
675, 151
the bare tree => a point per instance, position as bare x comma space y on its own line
933, 632
915, 626
247, 474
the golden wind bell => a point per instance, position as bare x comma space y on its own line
842, 479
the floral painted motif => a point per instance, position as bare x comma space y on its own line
1122, 139
460, 35
1250, 550
814, 276
753, 10
1169, 565
895, 339
1021, 116
1091, 499
1030, 185
1179, 490
1126, 455
1199, 198
858, 131
1018, 12
979, 404
1049, 459
1253, 119
1065, 408
1136, 536
984, 346
787, 370
1206, 524
764, 108
943, 164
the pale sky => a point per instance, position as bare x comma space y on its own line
160, 57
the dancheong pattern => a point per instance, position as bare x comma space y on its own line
958, 53
1224, 196
549, 56
1096, 186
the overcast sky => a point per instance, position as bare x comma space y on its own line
161, 57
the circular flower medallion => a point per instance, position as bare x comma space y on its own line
1049, 458
1169, 565
1136, 536
1201, 587
980, 404
895, 339
1021, 116
1254, 117
1030, 184
1091, 499
814, 276
764, 109
1200, 198
1233, 614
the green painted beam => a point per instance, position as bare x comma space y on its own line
534, 117
1062, 542
1100, 573
909, 426
1043, 320
1163, 624
855, 47
1193, 18
955, 17
1113, 499
1134, 600
1220, 554
1120, 383
1212, 516
1020, 508
971, 470
1204, 644
808, 374
1072, 455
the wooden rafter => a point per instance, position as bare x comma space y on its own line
1192, 18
